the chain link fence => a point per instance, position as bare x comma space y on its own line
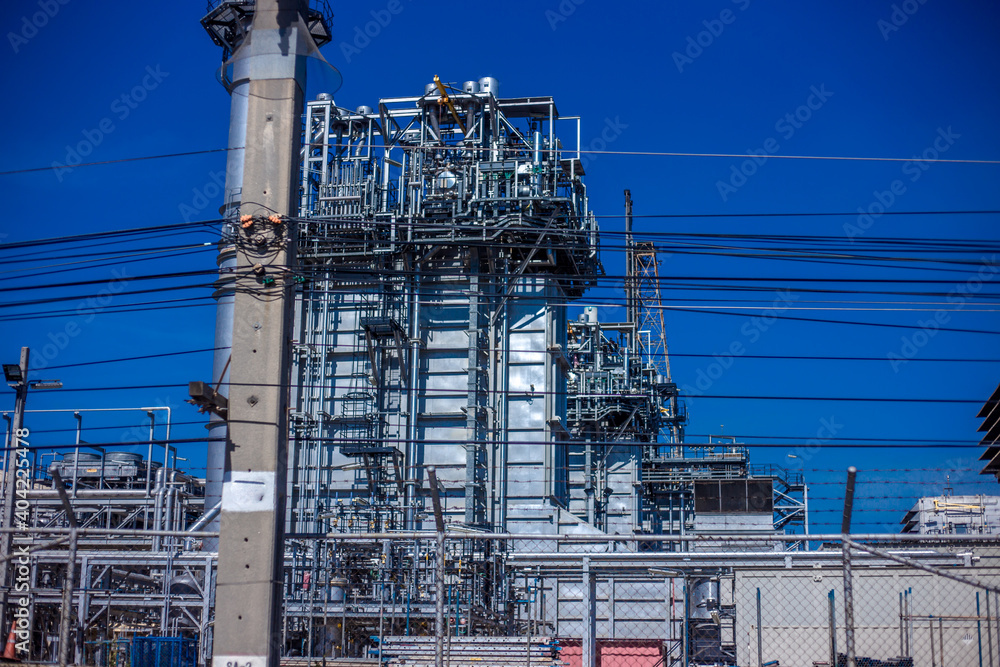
581, 600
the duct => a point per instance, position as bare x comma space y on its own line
206, 518
158, 507
135, 576
411, 434
168, 518
95, 494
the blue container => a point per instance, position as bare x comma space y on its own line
164, 652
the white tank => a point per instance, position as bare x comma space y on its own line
489, 85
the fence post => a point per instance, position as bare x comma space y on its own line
930, 626
833, 629
908, 602
848, 578
901, 646
979, 630
941, 639
760, 648
589, 642
989, 628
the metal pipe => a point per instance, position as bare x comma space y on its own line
158, 508
438, 572
833, 628
168, 507
930, 622
76, 457
149, 455
166, 441
69, 580
848, 579
848, 604
37, 494
205, 518
901, 644
909, 621
941, 639
989, 632
760, 646
67, 598
411, 432
848, 500
504, 403
805, 511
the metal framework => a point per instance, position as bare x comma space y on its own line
441, 239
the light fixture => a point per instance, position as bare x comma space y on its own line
12, 372
45, 384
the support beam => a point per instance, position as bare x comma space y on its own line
589, 643
247, 627
18, 443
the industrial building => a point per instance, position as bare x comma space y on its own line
443, 238
954, 515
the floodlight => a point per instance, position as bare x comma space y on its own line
46, 384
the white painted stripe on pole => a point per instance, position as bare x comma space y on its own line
239, 661
248, 492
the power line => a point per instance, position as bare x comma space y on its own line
537, 393
566, 152
135, 231
120, 160
138, 358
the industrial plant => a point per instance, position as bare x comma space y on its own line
466, 440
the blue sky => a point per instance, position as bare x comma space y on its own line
858, 78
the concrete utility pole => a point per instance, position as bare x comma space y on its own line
248, 590
10, 479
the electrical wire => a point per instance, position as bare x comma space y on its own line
120, 160
742, 156
137, 358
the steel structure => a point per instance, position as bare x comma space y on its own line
442, 237
439, 242
133, 578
